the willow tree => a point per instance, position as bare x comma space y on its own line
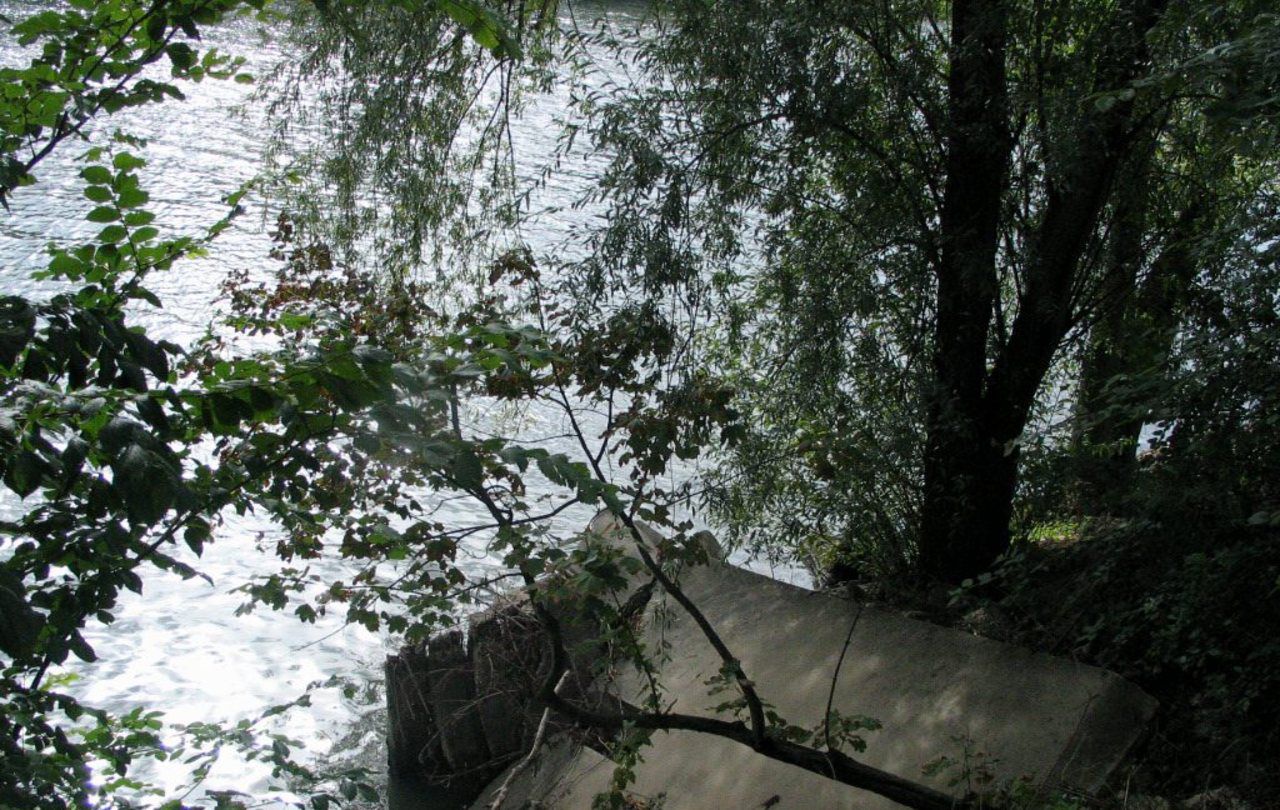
881, 223
1191, 223
939, 197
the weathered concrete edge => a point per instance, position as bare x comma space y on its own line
555, 773
1110, 727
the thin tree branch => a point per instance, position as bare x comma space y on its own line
523, 765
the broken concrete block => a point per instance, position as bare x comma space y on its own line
998, 712
556, 772
993, 708
508, 654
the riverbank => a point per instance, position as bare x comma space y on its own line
946, 709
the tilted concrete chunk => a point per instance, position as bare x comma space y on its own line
938, 693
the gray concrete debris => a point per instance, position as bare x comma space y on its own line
1005, 711
459, 710
506, 665
412, 744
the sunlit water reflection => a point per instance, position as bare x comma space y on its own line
179, 646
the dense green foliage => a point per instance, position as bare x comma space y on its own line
818, 144
130, 449
922, 278
1189, 614
954, 286
90, 415
90, 63
775, 187
124, 450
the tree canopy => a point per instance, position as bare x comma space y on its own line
919, 280
817, 193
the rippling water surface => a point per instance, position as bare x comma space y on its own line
179, 646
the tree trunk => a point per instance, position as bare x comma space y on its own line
977, 413
1106, 431
1100, 444
959, 490
968, 501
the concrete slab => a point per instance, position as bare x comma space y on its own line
938, 692
561, 771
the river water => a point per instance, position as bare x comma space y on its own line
179, 646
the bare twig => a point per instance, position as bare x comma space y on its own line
755, 707
523, 765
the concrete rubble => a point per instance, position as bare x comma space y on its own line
995, 710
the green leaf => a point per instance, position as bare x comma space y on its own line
43, 23
64, 264
113, 234
103, 213
181, 55
485, 27
96, 174
135, 218
132, 198
73, 457
19, 623
17, 327
24, 473
143, 294
149, 354
145, 482
196, 535
126, 162
293, 321
81, 648
156, 27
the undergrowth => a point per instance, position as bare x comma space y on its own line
1191, 616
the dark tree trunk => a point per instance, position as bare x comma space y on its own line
958, 489
980, 407
967, 506
1103, 459
1106, 431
